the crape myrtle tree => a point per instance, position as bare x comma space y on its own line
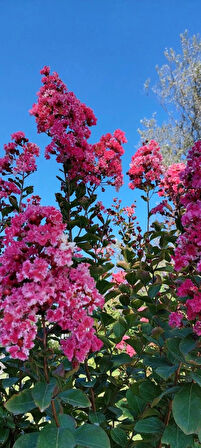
179, 92
96, 354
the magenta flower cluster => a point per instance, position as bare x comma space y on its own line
188, 250
146, 167
19, 159
37, 279
19, 155
171, 184
66, 120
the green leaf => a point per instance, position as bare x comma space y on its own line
75, 397
153, 290
168, 391
119, 436
103, 286
42, 393
91, 436
9, 382
174, 437
4, 434
154, 361
136, 343
187, 408
135, 403
199, 435
80, 190
28, 190
106, 341
27, 440
106, 318
123, 358
142, 444
6, 211
187, 344
196, 377
13, 201
66, 421
131, 278
178, 333
144, 276
20, 403
193, 359
148, 390
197, 278
96, 417
52, 437
144, 198
111, 295
173, 347
119, 330
124, 299
150, 425
166, 371
83, 383
85, 246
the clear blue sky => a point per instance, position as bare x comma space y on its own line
103, 50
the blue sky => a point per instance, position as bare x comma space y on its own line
103, 50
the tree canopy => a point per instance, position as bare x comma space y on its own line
179, 92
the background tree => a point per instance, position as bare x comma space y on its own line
179, 92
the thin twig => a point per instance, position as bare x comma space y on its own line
45, 348
167, 419
46, 369
55, 414
177, 373
92, 391
67, 196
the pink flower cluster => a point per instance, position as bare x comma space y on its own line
160, 208
146, 166
104, 252
122, 345
188, 250
66, 120
130, 211
108, 152
19, 155
38, 278
119, 277
119, 215
19, 159
175, 319
171, 185
7, 188
192, 306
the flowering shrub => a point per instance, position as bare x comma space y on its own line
17, 164
37, 278
108, 153
170, 184
146, 167
187, 252
100, 323
188, 246
66, 120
